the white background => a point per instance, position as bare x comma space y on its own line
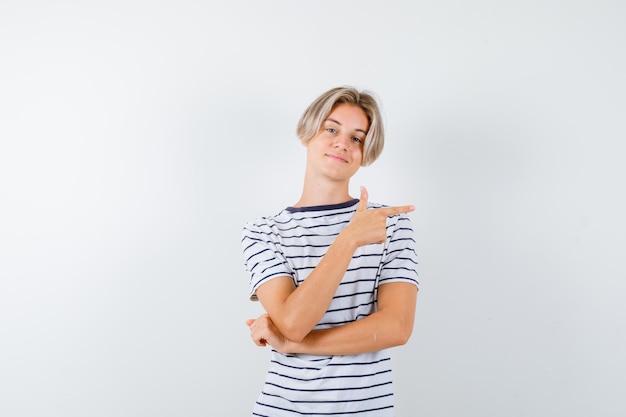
138, 136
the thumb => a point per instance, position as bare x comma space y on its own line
363, 201
249, 322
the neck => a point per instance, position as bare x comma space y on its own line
323, 193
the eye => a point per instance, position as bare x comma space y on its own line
331, 130
357, 139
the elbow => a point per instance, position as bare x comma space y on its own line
295, 336
402, 333
294, 332
403, 336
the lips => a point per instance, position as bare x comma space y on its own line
336, 158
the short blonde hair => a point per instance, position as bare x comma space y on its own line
316, 113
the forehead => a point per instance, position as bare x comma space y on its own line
350, 115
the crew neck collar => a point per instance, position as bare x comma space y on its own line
324, 207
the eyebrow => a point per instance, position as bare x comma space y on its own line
336, 121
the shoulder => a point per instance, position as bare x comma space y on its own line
265, 224
375, 205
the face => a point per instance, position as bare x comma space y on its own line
337, 150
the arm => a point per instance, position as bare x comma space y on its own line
296, 310
390, 326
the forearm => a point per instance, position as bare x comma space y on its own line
375, 332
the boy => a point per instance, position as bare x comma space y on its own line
335, 275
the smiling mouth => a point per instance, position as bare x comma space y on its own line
336, 158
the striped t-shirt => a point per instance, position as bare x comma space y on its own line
291, 243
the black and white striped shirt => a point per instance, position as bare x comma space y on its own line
291, 243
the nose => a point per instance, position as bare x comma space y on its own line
342, 141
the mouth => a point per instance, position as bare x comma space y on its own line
336, 158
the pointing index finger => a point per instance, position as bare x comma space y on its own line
392, 211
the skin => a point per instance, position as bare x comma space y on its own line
334, 155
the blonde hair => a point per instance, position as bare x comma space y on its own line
316, 113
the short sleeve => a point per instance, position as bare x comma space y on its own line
400, 260
262, 254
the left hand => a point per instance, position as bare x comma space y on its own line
263, 332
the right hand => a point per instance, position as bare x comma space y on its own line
370, 226
263, 332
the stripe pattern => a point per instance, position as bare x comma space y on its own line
291, 243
